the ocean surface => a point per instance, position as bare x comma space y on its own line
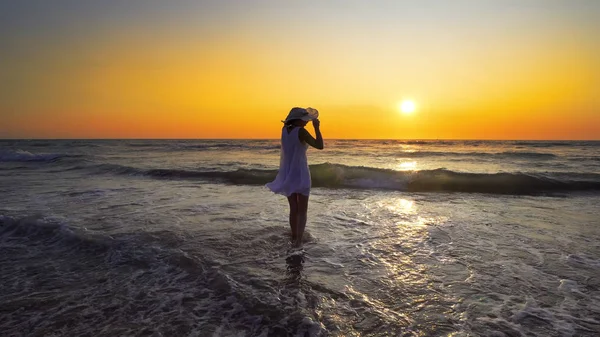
404, 238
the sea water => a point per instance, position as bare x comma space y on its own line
404, 238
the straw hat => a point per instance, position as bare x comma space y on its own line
303, 114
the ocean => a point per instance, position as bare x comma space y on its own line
404, 238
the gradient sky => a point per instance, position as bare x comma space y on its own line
505, 69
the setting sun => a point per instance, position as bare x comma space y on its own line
407, 106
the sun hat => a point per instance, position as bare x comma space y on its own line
302, 113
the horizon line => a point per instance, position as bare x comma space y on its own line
382, 139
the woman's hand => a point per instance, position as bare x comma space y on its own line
316, 123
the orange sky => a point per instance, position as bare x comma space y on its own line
510, 70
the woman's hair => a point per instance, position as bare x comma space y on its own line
290, 122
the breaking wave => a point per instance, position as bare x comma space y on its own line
342, 176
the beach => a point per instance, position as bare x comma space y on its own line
404, 238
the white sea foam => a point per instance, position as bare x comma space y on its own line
135, 284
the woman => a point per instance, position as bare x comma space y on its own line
293, 178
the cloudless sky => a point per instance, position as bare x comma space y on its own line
506, 69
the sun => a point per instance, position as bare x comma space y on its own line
407, 106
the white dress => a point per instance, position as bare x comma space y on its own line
293, 175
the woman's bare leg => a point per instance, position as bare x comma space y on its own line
302, 214
293, 201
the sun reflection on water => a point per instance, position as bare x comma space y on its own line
401, 246
399, 206
391, 279
408, 149
407, 166
407, 206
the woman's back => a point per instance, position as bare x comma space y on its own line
293, 175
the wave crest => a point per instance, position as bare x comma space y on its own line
329, 175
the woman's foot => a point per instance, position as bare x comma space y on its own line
296, 243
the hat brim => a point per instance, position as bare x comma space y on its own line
303, 114
303, 118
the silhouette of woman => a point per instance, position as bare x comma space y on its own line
293, 178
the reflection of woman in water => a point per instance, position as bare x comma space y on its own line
293, 178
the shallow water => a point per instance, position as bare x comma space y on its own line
104, 238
